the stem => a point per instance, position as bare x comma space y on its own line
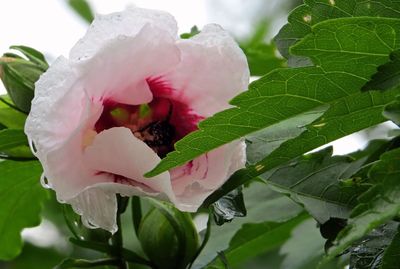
205, 240
80, 263
136, 213
117, 241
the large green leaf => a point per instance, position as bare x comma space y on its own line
388, 75
378, 205
21, 198
262, 59
296, 255
273, 208
344, 62
263, 142
10, 117
331, 127
10, 138
304, 17
317, 181
253, 239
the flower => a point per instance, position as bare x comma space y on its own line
129, 90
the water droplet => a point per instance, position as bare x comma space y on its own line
32, 147
44, 182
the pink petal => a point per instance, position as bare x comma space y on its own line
212, 71
117, 151
193, 183
120, 67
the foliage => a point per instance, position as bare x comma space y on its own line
21, 199
83, 9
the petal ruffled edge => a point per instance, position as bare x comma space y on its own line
126, 23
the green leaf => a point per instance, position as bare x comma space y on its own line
229, 207
262, 59
346, 116
263, 205
263, 142
10, 138
304, 248
302, 19
83, 9
21, 198
33, 55
9, 117
193, 31
390, 258
253, 239
317, 181
378, 205
342, 69
369, 253
388, 75
392, 111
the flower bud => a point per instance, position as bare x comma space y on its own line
168, 237
19, 75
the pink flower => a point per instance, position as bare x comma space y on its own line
130, 89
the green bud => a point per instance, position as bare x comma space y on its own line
168, 237
20, 74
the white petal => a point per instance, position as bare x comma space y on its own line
57, 107
193, 184
126, 23
118, 151
212, 71
121, 66
98, 205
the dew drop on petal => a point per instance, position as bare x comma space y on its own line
44, 182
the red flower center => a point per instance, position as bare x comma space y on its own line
159, 124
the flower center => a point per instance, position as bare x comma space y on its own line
159, 123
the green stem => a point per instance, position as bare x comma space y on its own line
72, 263
117, 241
136, 213
205, 240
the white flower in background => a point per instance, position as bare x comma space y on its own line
129, 90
